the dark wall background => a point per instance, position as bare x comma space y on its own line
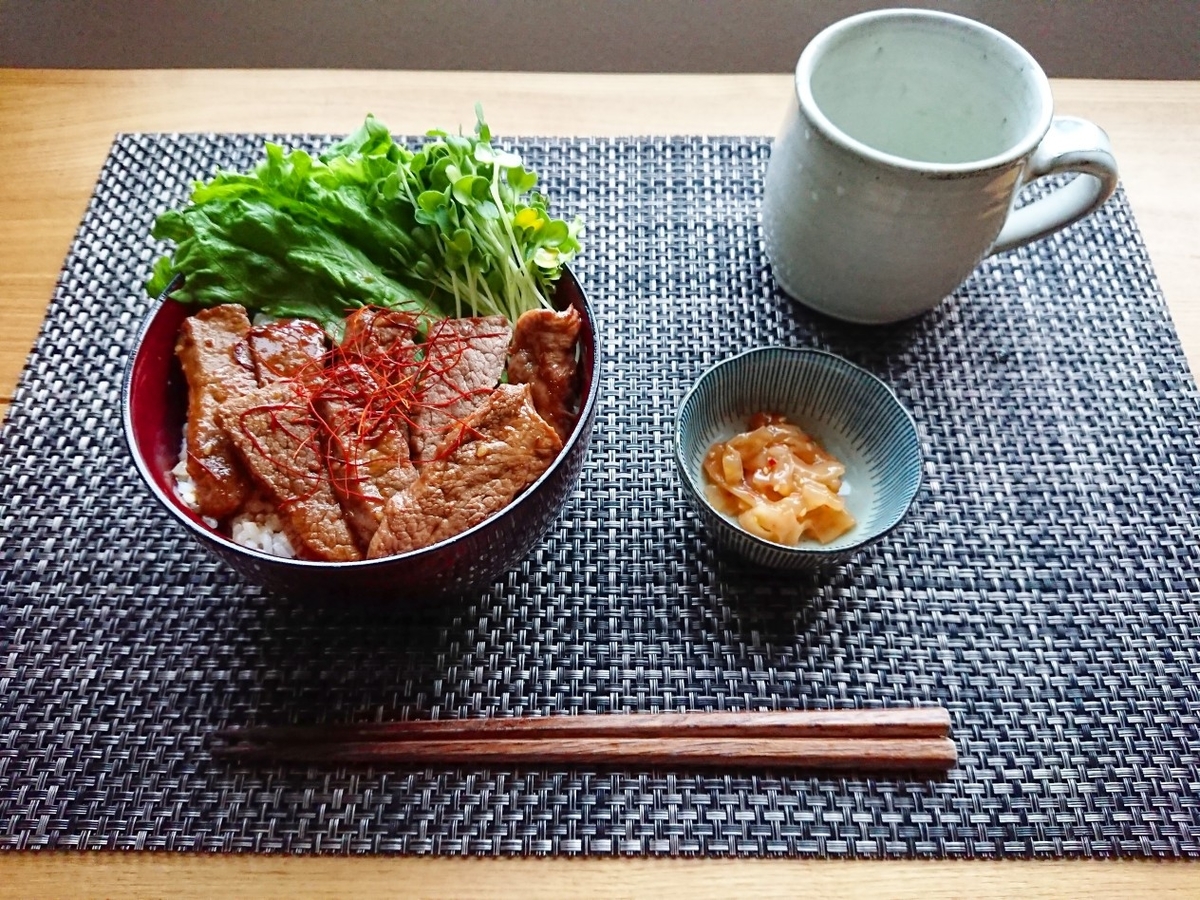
1072, 38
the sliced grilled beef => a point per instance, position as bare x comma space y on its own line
366, 447
505, 447
543, 356
216, 362
285, 349
371, 331
463, 362
364, 412
277, 438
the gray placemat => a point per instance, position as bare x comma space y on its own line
1043, 588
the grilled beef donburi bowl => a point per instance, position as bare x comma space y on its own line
450, 558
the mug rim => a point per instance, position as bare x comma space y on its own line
819, 45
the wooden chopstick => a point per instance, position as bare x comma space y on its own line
897, 722
811, 754
905, 739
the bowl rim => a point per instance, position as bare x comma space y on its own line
205, 533
811, 549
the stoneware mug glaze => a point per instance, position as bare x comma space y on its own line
898, 164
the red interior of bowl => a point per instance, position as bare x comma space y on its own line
157, 395
158, 401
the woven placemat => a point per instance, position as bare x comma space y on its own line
1043, 588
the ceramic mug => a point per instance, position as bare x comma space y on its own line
899, 163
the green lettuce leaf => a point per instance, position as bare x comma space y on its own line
454, 228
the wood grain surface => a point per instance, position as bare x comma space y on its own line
905, 740
911, 756
182, 876
56, 127
866, 724
55, 131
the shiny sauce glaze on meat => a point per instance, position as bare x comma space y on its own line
399, 437
463, 365
367, 450
505, 447
283, 350
543, 356
277, 436
212, 351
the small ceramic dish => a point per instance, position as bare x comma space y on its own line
849, 411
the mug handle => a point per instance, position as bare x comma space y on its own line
1071, 145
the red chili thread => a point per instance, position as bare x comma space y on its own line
381, 375
302, 440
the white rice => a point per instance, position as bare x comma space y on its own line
261, 530
257, 527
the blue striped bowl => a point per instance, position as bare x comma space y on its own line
853, 414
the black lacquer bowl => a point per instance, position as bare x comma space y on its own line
154, 400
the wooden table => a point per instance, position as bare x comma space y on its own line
55, 130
